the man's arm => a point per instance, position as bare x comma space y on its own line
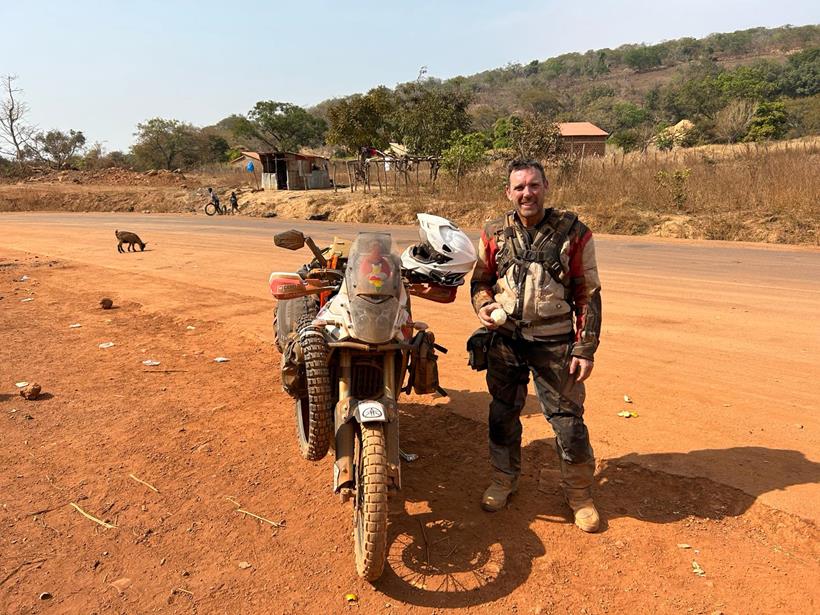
585, 287
484, 272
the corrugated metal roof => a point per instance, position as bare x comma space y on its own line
580, 129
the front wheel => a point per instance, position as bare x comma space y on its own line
370, 505
210, 209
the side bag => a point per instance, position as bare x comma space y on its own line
423, 368
478, 346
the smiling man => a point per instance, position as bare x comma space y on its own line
535, 287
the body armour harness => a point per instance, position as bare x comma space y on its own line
520, 251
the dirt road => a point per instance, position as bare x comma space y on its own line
716, 344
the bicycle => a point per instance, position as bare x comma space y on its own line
211, 208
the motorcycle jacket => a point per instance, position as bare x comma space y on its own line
545, 279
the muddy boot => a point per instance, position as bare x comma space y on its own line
576, 480
496, 495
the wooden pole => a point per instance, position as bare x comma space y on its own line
379, 177
581, 165
335, 187
349, 180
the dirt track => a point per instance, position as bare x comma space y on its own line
716, 344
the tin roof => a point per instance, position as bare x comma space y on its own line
580, 129
260, 155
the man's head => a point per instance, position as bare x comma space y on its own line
527, 189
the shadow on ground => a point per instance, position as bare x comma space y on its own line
445, 552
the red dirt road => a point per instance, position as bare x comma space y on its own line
716, 345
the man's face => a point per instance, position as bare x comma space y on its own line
526, 191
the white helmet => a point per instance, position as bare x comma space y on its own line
444, 255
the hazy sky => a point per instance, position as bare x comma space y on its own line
102, 67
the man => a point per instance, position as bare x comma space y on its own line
535, 286
215, 200
234, 203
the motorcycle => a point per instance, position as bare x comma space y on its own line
348, 341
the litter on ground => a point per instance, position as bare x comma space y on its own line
106, 344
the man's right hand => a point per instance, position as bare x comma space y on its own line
484, 316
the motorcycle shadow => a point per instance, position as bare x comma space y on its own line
443, 549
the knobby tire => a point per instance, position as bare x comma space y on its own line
370, 509
314, 434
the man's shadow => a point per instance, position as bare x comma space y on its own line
445, 552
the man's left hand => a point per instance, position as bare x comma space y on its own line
581, 368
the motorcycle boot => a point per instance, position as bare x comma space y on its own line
576, 481
506, 461
501, 488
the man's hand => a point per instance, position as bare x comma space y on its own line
484, 316
582, 366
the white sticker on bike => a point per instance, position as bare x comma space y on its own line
371, 411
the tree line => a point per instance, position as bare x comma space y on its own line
509, 109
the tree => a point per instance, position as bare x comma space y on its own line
732, 122
502, 131
163, 144
209, 147
770, 121
360, 121
802, 74
427, 114
538, 99
696, 95
628, 140
536, 137
15, 131
96, 158
466, 152
56, 148
756, 82
643, 58
804, 115
281, 126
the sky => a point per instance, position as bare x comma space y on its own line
103, 67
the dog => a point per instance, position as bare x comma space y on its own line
131, 239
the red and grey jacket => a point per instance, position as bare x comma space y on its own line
545, 279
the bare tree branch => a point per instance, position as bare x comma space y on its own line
15, 132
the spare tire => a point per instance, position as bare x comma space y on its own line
314, 414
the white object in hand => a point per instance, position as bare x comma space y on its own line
499, 316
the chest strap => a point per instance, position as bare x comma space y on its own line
544, 248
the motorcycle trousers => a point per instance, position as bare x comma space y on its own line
509, 364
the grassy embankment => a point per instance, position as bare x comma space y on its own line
743, 192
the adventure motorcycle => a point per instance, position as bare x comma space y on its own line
348, 340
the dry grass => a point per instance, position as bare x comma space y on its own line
739, 193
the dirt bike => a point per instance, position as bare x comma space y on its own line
348, 341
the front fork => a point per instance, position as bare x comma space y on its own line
347, 421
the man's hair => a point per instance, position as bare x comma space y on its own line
519, 164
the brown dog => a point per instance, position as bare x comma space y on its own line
131, 239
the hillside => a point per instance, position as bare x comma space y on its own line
634, 90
